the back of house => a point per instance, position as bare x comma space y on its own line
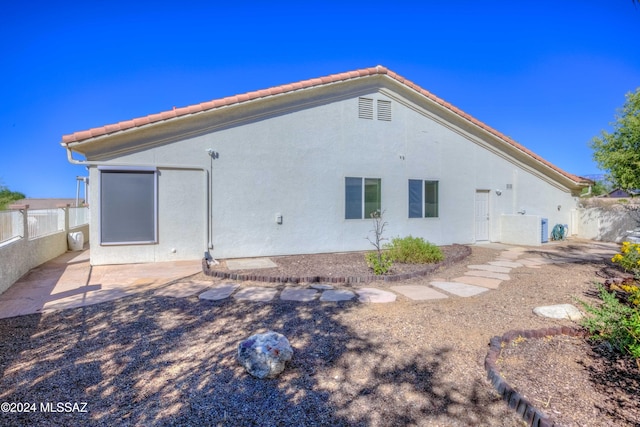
299, 169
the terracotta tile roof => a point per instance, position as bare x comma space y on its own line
304, 84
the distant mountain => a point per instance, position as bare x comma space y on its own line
596, 177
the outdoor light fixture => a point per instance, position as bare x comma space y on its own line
498, 192
559, 206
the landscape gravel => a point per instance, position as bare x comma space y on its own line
157, 360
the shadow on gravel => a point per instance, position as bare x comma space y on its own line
148, 360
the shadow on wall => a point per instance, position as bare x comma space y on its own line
608, 221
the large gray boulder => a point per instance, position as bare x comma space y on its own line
264, 355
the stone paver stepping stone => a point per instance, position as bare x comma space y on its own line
256, 294
298, 294
529, 263
219, 292
375, 295
559, 311
485, 282
337, 295
489, 274
460, 289
183, 289
509, 264
418, 292
321, 286
493, 268
510, 254
542, 261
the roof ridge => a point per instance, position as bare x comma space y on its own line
291, 87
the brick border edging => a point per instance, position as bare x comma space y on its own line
532, 416
316, 279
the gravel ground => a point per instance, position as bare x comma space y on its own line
152, 360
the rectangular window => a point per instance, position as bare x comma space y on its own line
363, 196
431, 199
128, 212
423, 199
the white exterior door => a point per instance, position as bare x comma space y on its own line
482, 215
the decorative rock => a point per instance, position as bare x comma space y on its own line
560, 311
264, 355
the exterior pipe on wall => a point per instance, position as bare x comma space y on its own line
209, 238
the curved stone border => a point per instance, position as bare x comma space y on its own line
532, 416
315, 279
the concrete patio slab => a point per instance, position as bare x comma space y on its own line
83, 299
337, 295
492, 268
488, 274
183, 289
418, 292
485, 282
249, 263
298, 294
255, 294
219, 292
459, 289
375, 295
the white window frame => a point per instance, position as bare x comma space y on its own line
363, 202
423, 210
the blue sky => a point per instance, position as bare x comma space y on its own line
549, 74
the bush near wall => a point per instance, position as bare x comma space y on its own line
413, 250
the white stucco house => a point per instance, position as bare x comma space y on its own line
298, 168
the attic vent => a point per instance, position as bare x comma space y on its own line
365, 108
384, 110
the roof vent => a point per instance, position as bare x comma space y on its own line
365, 108
384, 110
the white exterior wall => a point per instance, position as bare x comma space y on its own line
292, 160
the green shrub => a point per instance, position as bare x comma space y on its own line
615, 322
414, 250
379, 262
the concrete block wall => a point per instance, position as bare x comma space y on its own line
521, 229
20, 255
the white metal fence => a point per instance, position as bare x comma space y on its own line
11, 225
78, 216
42, 222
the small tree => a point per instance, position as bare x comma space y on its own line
619, 152
379, 261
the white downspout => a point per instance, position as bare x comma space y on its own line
588, 193
208, 238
